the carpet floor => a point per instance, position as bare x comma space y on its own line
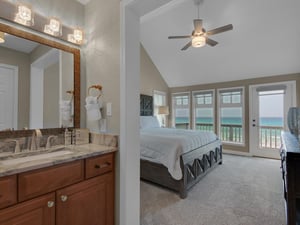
241, 191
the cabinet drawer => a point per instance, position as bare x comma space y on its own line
98, 165
38, 182
8, 191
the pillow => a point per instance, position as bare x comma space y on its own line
148, 122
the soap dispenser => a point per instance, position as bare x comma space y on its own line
68, 137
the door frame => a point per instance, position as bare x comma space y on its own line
254, 150
15, 93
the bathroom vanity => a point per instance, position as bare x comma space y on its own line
75, 188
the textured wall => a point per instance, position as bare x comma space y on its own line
151, 78
102, 54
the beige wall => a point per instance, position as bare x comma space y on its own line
102, 52
246, 84
20, 60
151, 78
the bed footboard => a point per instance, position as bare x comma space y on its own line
197, 164
194, 165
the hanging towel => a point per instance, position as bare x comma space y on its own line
93, 106
66, 110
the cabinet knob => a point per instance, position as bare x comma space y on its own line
50, 204
64, 198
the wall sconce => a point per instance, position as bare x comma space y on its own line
23, 14
53, 28
76, 37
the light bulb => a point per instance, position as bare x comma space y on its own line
198, 41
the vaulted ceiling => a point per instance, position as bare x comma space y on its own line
264, 41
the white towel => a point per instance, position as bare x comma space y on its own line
93, 106
66, 109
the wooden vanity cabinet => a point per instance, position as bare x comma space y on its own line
81, 194
38, 211
8, 191
88, 202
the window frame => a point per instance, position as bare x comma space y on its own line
212, 91
176, 94
242, 104
160, 118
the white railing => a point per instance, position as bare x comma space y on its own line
269, 137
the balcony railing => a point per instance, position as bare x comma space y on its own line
269, 136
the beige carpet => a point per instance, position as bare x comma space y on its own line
242, 191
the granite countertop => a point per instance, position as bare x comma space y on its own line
73, 152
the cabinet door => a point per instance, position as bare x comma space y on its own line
90, 202
38, 211
8, 191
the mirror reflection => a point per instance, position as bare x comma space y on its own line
36, 85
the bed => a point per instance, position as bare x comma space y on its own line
193, 157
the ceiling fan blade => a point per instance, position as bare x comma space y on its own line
220, 30
175, 37
198, 25
186, 46
210, 42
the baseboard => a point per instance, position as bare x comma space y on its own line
231, 152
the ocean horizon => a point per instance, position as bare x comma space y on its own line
264, 121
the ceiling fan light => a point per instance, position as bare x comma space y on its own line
198, 41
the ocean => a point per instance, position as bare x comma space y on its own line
264, 121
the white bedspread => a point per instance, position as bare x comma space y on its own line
165, 145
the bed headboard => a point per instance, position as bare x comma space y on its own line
146, 105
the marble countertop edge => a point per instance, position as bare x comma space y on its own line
77, 152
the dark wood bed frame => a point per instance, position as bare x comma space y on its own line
194, 164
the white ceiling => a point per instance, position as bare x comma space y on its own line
264, 40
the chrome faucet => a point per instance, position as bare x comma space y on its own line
48, 144
17, 144
36, 139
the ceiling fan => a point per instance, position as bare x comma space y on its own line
200, 36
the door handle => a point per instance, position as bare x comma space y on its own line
253, 125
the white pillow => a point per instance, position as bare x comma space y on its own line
148, 122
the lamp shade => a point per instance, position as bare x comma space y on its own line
163, 110
2, 40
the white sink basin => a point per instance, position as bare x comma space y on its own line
8, 162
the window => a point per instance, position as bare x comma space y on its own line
231, 115
159, 99
181, 110
203, 110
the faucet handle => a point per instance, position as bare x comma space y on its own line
48, 144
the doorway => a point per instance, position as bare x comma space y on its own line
269, 104
8, 97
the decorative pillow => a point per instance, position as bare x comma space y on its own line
148, 122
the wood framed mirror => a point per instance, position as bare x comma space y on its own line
64, 92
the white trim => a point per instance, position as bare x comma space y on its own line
15, 93
193, 106
268, 153
243, 109
232, 152
179, 94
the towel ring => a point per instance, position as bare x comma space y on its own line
71, 92
97, 87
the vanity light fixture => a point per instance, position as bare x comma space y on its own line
24, 16
53, 28
2, 39
76, 37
